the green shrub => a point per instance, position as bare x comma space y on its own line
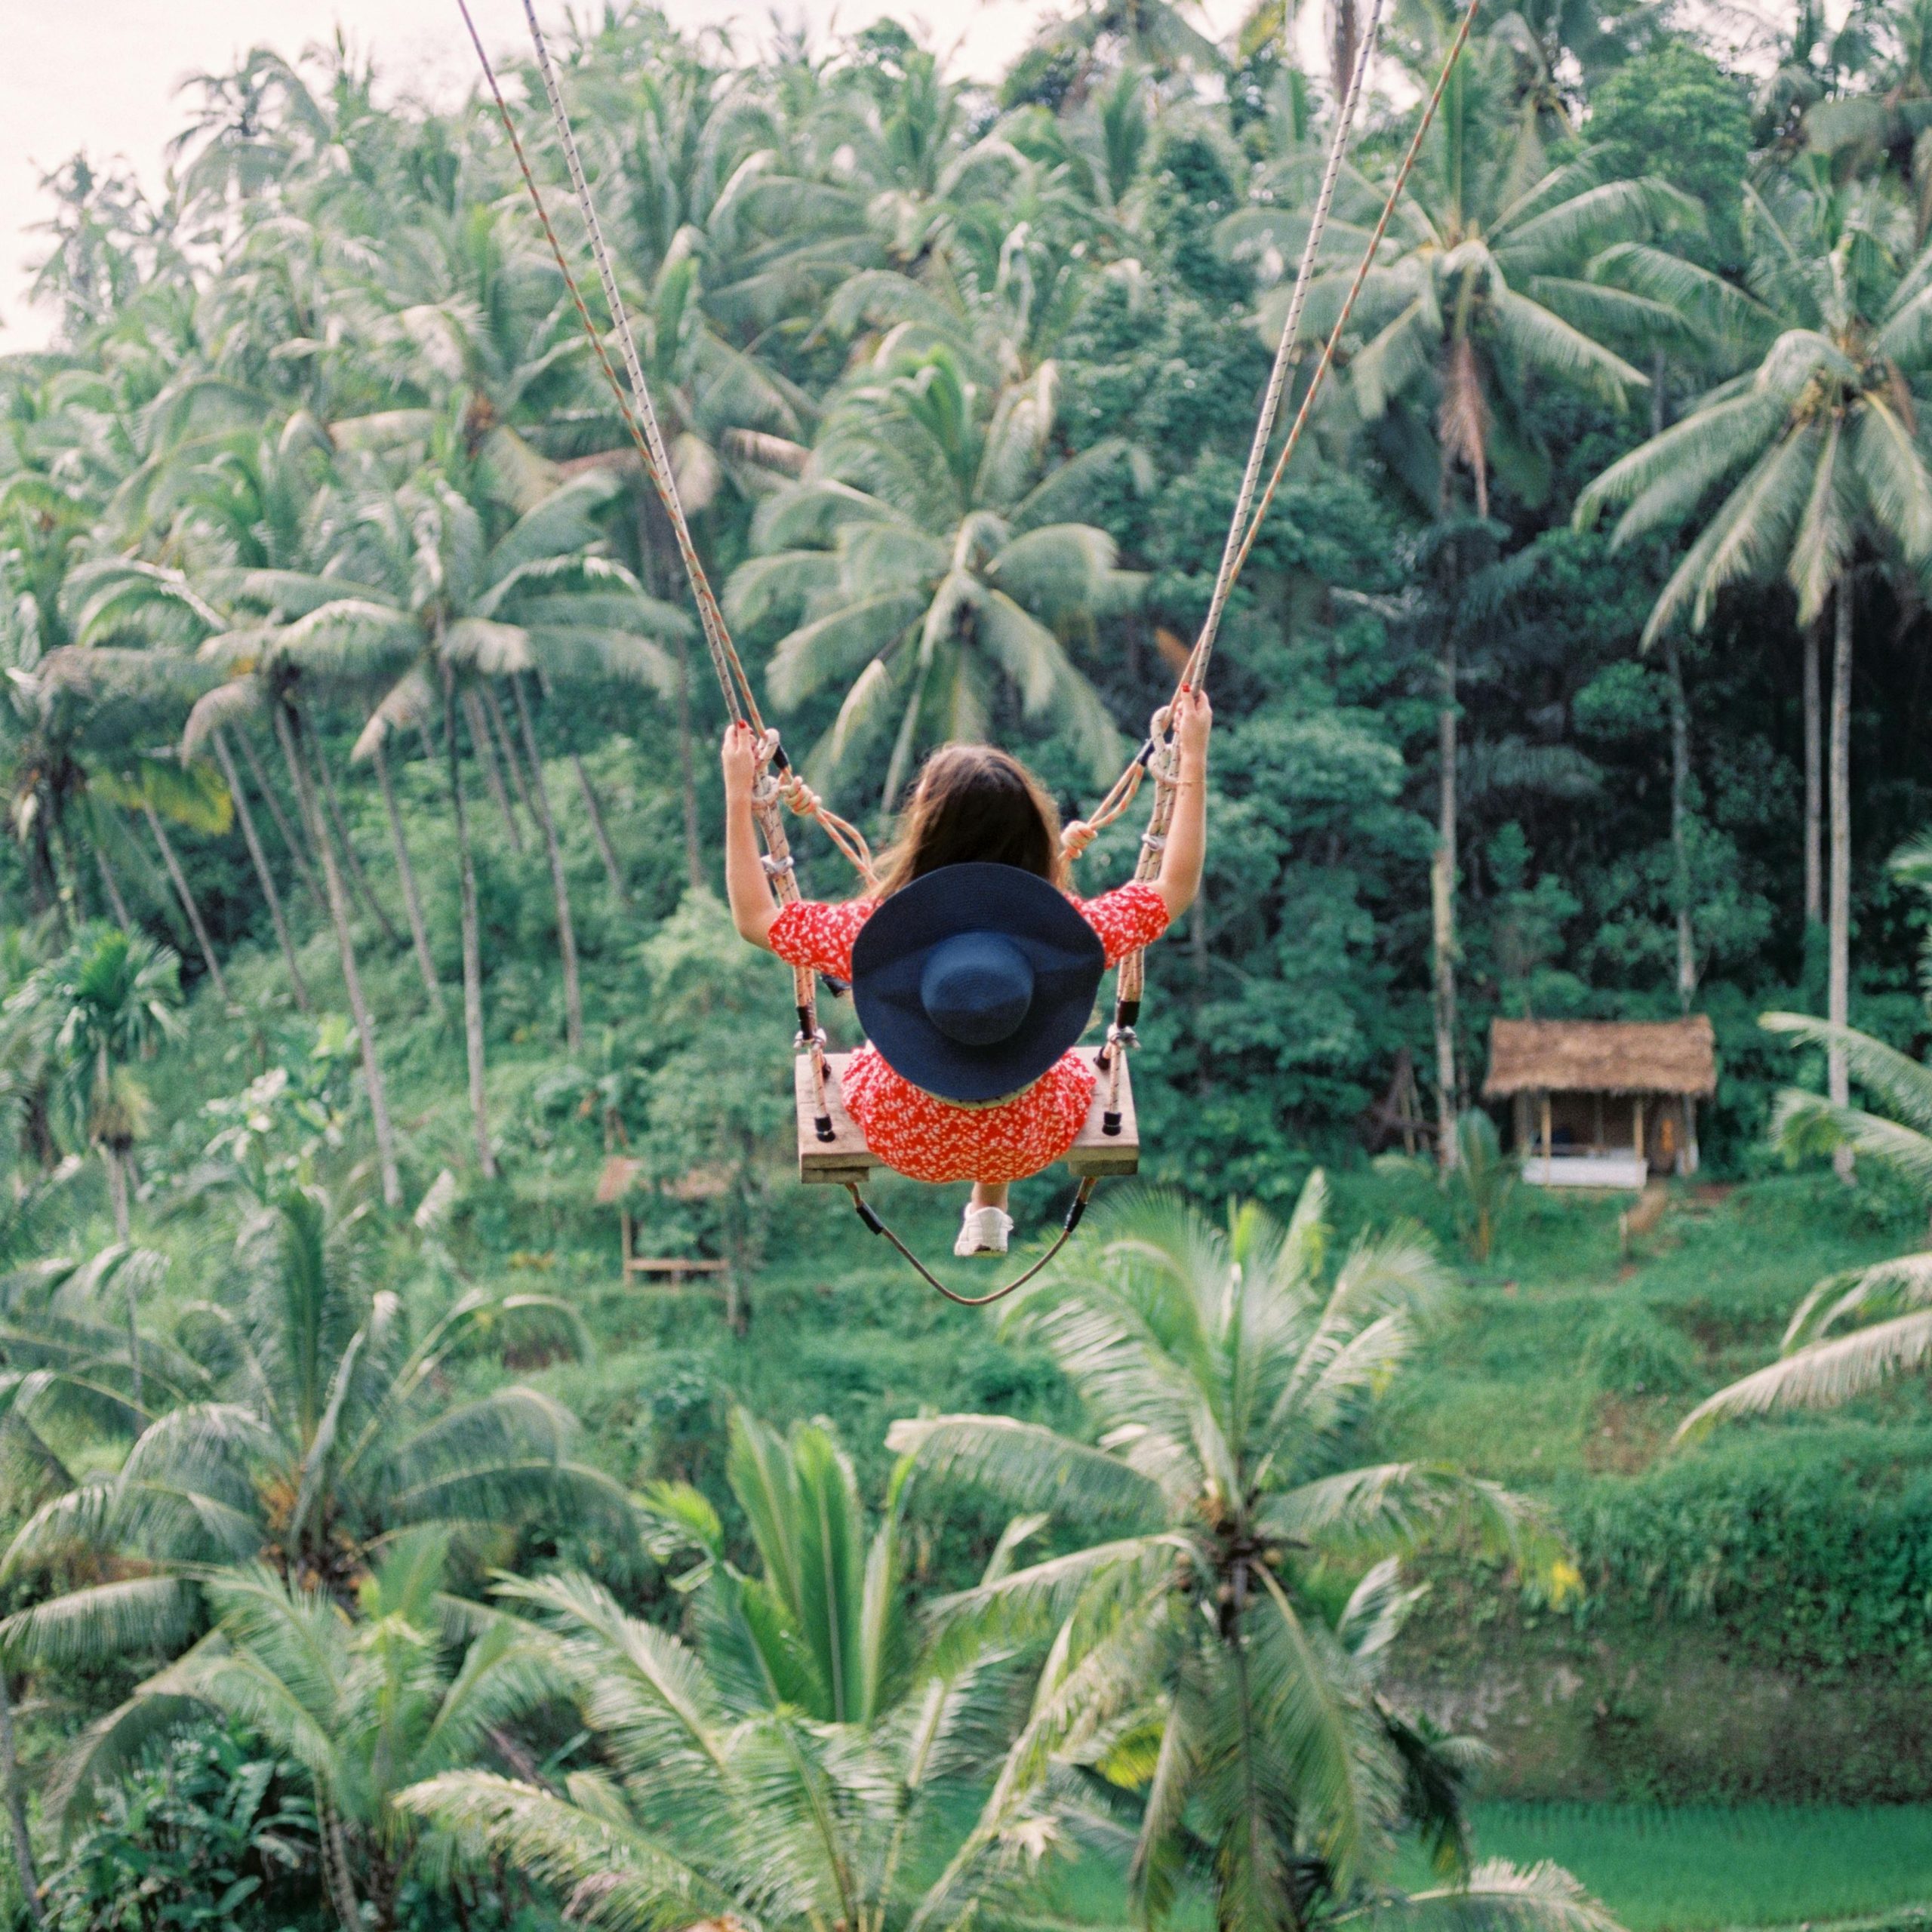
1634, 1352
205, 1833
1811, 1544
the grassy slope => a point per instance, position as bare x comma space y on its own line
838, 1328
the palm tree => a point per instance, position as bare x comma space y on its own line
1858, 1328
824, 1623
1226, 1374
1815, 450
1483, 289
307, 1426
68, 1377
927, 567
710, 1803
122, 598
367, 1706
421, 605
102, 1007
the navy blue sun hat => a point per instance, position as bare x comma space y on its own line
974, 979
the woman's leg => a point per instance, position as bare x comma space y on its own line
986, 1226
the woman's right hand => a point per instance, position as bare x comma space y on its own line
738, 757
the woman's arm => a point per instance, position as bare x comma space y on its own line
754, 906
1179, 878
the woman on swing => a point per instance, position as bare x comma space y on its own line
972, 971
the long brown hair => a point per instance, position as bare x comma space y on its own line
973, 802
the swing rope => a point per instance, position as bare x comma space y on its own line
777, 781
1158, 754
641, 422
869, 1215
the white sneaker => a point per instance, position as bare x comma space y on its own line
983, 1231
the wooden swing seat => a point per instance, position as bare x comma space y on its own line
845, 1157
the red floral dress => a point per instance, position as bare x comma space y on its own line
939, 1140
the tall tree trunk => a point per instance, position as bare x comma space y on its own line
1680, 823
17, 1806
337, 1876
1838, 998
540, 797
116, 1190
118, 1161
338, 906
687, 772
296, 842
259, 858
1814, 780
1442, 910
358, 878
412, 899
486, 756
653, 563
472, 954
111, 887
499, 731
44, 876
187, 900
75, 905
605, 850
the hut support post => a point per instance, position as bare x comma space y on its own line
1544, 1097
626, 1246
1687, 1154
1597, 1134
1519, 1105
1637, 1123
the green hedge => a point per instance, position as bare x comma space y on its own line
1811, 1543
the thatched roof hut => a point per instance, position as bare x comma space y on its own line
1675, 1056
1560, 1073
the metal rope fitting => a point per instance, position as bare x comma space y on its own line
777, 868
809, 1043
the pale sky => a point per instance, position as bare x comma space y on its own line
102, 75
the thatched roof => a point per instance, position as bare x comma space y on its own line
623, 1175
1601, 1056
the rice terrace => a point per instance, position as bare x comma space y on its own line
968, 974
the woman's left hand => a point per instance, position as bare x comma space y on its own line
1193, 719
738, 756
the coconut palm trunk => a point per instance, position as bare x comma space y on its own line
358, 878
252, 838
111, 886
651, 557
16, 1806
187, 899
546, 823
287, 724
112, 1165
1838, 1085
296, 841
122, 1158
1442, 910
333, 1854
412, 898
687, 772
485, 748
1814, 781
1680, 823
500, 733
600, 832
472, 959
